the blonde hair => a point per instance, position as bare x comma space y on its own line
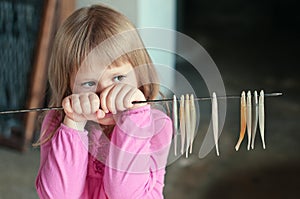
77, 37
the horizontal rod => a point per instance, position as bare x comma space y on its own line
135, 102
204, 98
31, 110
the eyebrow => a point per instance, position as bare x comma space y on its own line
120, 68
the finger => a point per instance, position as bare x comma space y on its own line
66, 104
134, 95
68, 109
111, 98
122, 103
85, 104
103, 97
95, 102
76, 105
100, 114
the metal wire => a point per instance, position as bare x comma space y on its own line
204, 98
135, 102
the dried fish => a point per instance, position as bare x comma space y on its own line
243, 121
215, 121
182, 122
255, 118
261, 117
193, 121
249, 118
187, 124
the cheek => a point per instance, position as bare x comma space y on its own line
73, 85
75, 89
132, 79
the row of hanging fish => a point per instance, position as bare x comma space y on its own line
252, 116
187, 123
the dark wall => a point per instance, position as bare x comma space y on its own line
241, 17
243, 36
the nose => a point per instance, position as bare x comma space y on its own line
102, 85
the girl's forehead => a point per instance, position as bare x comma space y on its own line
97, 58
98, 65
98, 69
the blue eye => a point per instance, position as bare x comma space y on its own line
119, 78
88, 84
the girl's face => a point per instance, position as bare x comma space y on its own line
94, 78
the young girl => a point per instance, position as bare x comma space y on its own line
102, 145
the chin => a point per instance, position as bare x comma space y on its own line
107, 121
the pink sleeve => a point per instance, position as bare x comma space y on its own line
138, 155
63, 164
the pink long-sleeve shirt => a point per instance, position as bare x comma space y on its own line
128, 165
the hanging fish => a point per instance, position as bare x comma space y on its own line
254, 119
249, 118
243, 121
187, 124
193, 120
261, 117
215, 121
182, 122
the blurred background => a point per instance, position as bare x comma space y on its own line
255, 45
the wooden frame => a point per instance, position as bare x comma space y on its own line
54, 12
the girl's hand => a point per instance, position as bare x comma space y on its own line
119, 97
80, 108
